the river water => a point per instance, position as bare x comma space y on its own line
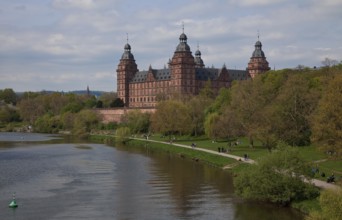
61, 179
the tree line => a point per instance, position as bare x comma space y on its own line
296, 106
52, 112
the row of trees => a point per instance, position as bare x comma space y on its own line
297, 107
51, 112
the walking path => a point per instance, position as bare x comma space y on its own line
250, 161
316, 182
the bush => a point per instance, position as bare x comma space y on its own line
277, 179
331, 203
123, 134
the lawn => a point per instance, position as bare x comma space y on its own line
203, 142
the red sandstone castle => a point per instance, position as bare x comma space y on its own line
185, 75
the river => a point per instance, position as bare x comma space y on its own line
55, 178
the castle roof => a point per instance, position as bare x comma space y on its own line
202, 74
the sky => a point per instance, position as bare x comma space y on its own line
66, 45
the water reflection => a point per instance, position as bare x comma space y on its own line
55, 180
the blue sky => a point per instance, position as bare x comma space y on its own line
68, 44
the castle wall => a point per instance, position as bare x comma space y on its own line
115, 114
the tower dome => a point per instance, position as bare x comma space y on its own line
198, 60
182, 46
127, 53
183, 38
127, 47
258, 50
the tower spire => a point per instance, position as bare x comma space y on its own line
258, 34
127, 37
183, 26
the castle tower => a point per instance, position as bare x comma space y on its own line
182, 68
258, 63
198, 59
125, 72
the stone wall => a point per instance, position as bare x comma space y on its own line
115, 114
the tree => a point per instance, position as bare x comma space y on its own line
227, 125
197, 106
209, 125
84, 122
107, 98
8, 114
276, 178
207, 91
117, 103
296, 101
136, 121
327, 120
221, 101
8, 96
172, 117
47, 124
31, 109
123, 134
331, 203
327, 62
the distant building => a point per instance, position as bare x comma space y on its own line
185, 75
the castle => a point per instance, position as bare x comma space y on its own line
185, 75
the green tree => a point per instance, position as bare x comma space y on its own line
8, 96
331, 203
227, 125
252, 103
84, 122
123, 134
296, 101
47, 124
137, 121
117, 103
276, 178
172, 117
327, 120
209, 125
221, 101
67, 120
8, 114
107, 98
31, 109
197, 105
207, 91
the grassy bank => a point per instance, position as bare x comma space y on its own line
198, 156
310, 153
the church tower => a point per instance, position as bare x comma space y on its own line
258, 63
182, 68
127, 68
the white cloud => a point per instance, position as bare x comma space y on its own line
56, 44
250, 3
80, 4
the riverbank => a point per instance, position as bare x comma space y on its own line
224, 160
221, 159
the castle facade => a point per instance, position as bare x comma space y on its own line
185, 75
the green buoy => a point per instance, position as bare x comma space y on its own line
13, 203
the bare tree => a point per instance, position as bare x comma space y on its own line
327, 62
